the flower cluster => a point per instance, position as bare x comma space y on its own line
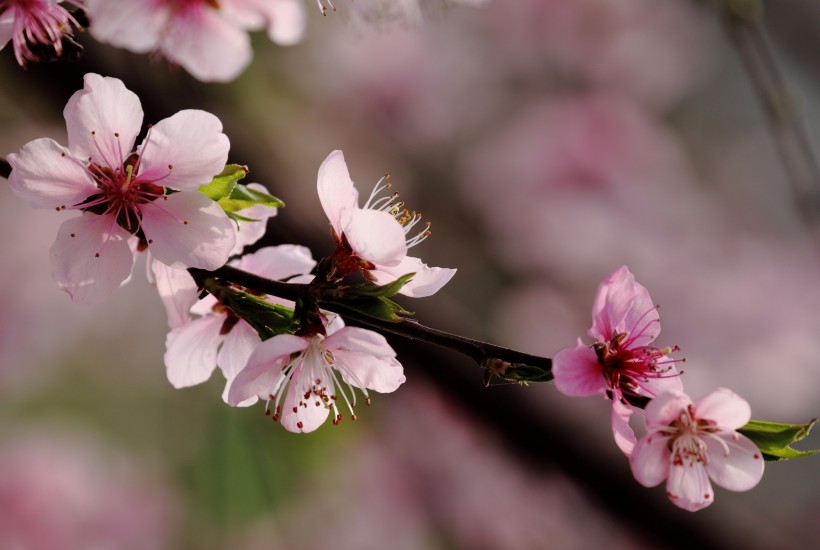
36, 28
686, 444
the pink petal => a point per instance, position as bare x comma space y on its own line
260, 375
207, 45
239, 344
665, 409
184, 151
188, 230
191, 349
285, 19
623, 305
75, 266
688, 486
310, 415
650, 460
361, 340
577, 371
741, 469
426, 281
177, 290
621, 431
336, 191
103, 120
375, 236
725, 407
233, 356
6, 30
45, 175
278, 262
135, 26
362, 370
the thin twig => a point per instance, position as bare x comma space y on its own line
789, 133
481, 352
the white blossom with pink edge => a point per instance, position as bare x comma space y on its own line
621, 363
218, 337
374, 238
688, 444
27, 22
315, 374
123, 196
208, 39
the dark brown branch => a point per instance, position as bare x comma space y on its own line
481, 352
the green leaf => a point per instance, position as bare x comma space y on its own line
774, 440
376, 291
242, 196
377, 307
267, 319
224, 184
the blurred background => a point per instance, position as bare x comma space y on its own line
549, 142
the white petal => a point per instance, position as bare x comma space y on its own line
375, 236
103, 120
264, 368
298, 414
741, 469
278, 262
188, 229
207, 45
184, 151
45, 175
426, 281
91, 258
234, 354
336, 190
650, 460
725, 407
362, 370
250, 232
177, 290
190, 355
360, 339
688, 486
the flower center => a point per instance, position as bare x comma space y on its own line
316, 383
37, 23
395, 207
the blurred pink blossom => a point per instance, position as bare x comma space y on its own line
65, 490
207, 38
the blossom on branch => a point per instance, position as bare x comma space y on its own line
32, 24
129, 200
621, 363
688, 444
316, 375
208, 38
218, 337
374, 239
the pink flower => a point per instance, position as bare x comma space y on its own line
207, 38
621, 363
218, 337
374, 239
124, 196
690, 443
313, 373
30, 23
